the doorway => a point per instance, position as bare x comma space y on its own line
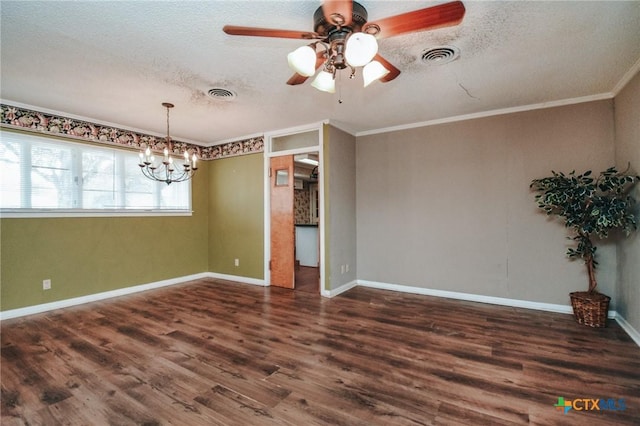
294, 217
294, 209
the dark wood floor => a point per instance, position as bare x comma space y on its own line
217, 353
307, 279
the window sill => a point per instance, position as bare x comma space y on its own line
50, 213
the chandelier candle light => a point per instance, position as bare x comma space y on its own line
166, 171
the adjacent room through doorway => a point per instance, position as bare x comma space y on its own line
306, 218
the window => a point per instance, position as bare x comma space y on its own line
282, 177
46, 176
296, 140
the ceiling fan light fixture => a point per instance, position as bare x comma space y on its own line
303, 61
360, 49
373, 71
324, 82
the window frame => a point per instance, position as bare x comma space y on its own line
77, 148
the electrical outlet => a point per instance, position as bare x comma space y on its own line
46, 284
236, 262
342, 269
347, 268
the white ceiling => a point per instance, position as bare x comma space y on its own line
116, 62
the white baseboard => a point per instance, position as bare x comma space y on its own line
516, 303
36, 309
339, 290
628, 328
236, 278
565, 309
549, 307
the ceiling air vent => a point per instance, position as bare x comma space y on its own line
222, 94
440, 55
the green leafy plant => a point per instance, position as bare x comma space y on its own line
589, 207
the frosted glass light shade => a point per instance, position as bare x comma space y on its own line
303, 61
324, 82
372, 72
360, 49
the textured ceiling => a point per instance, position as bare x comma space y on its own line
116, 62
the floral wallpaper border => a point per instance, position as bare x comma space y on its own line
45, 123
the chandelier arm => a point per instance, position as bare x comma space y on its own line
163, 174
149, 173
144, 171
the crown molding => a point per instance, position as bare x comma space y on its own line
491, 113
626, 78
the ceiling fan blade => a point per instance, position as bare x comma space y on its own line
299, 79
296, 79
393, 71
268, 32
440, 16
333, 8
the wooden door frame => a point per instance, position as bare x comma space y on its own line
267, 195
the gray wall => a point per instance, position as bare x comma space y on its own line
340, 207
627, 111
448, 207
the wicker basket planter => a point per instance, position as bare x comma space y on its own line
590, 309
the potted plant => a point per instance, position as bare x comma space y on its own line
589, 207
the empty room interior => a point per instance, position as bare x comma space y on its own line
320, 212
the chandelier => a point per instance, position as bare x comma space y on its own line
342, 48
167, 170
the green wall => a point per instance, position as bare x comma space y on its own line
236, 216
84, 256
88, 255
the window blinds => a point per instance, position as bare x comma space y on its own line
45, 173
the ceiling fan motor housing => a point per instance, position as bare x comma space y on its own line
336, 34
358, 19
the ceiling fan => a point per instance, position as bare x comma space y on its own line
344, 38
